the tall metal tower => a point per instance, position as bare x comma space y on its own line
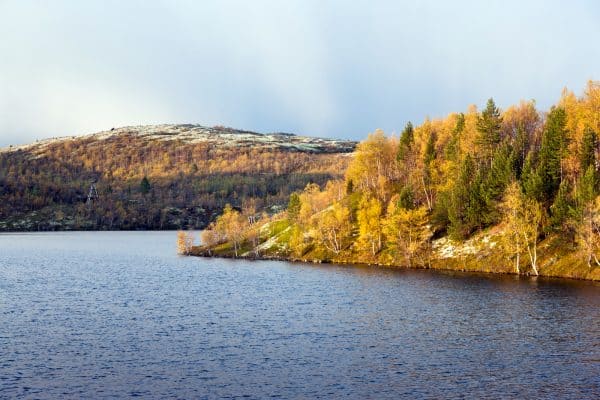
92, 194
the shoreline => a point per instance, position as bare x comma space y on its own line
200, 252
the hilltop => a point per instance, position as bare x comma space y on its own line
216, 135
158, 176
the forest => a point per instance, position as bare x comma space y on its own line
147, 182
507, 190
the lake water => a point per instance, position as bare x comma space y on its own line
116, 314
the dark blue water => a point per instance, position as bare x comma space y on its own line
92, 315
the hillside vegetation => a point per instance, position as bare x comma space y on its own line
158, 177
513, 190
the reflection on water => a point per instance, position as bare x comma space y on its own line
103, 314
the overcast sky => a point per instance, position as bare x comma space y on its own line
320, 68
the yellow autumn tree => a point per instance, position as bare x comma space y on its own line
333, 227
373, 166
185, 241
588, 231
522, 218
370, 227
232, 225
210, 237
512, 242
407, 233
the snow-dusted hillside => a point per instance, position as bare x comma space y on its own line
217, 135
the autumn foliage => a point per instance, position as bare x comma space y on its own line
532, 174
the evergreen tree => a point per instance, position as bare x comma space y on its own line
406, 141
145, 185
501, 172
554, 143
460, 211
429, 155
530, 178
452, 148
561, 208
488, 125
406, 198
587, 154
520, 150
439, 217
293, 208
477, 211
588, 187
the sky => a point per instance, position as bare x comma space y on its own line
320, 68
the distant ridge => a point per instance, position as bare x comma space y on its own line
169, 176
217, 135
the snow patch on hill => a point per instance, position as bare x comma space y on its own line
217, 135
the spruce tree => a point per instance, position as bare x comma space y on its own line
501, 172
293, 208
406, 141
495, 180
477, 214
406, 198
587, 154
488, 125
145, 185
453, 147
588, 186
520, 149
554, 143
561, 208
460, 196
429, 155
531, 181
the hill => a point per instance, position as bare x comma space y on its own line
158, 177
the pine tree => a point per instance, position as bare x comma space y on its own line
520, 150
429, 155
561, 207
406, 142
587, 154
488, 125
477, 211
293, 208
145, 185
554, 143
406, 198
453, 148
531, 181
501, 172
588, 187
460, 198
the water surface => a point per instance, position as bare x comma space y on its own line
117, 314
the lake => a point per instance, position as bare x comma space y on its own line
118, 314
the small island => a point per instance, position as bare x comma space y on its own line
511, 191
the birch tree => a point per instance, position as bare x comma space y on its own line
407, 232
369, 223
522, 217
333, 227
